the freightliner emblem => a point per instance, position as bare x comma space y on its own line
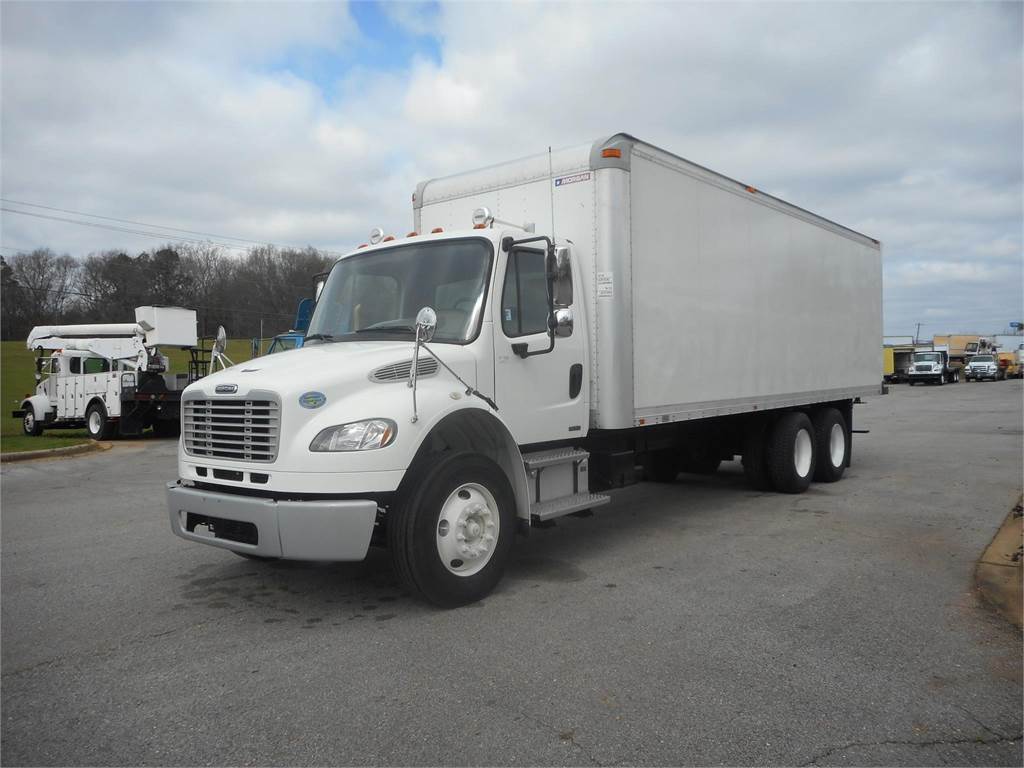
226, 389
312, 399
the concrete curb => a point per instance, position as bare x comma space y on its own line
1000, 569
53, 453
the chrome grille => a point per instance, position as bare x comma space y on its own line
426, 366
243, 430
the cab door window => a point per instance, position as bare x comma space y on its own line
524, 298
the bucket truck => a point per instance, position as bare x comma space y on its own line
110, 378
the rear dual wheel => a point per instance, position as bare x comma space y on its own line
791, 452
97, 424
787, 454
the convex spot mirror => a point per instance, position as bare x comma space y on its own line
563, 322
562, 287
426, 322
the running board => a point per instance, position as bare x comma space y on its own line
543, 459
566, 505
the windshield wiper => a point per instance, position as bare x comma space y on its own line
319, 337
387, 329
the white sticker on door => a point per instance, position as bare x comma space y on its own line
605, 285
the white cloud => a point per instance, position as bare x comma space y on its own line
901, 120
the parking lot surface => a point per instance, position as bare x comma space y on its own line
695, 623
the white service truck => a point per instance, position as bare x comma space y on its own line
529, 347
109, 377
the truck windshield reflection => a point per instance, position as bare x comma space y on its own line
376, 295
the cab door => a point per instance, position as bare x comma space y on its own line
541, 396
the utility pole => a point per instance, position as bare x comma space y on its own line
917, 334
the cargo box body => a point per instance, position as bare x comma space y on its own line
705, 296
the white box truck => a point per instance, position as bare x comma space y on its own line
554, 328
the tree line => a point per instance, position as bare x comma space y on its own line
255, 294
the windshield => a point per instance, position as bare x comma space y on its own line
377, 295
982, 359
927, 357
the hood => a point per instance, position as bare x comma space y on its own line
335, 368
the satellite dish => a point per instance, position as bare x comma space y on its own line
221, 343
217, 354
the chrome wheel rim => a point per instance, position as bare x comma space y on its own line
802, 452
467, 529
94, 422
30, 421
837, 445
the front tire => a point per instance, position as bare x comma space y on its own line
97, 423
830, 438
29, 424
451, 532
791, 453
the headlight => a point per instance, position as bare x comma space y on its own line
356, 436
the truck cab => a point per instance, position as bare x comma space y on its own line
932, 366
337, 431
984, 366
286, 341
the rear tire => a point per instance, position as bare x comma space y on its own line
831, 441
662, 466
451, 532
791, 452
704, 466
755, 457
97, 423
166, 428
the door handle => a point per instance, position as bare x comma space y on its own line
575, 380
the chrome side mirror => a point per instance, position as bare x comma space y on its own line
426, 323
563, 322
562, 293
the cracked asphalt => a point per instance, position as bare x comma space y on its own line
697, 623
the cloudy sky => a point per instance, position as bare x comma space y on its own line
312, 123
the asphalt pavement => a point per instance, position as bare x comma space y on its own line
696, 623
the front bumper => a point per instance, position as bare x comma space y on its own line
295, 530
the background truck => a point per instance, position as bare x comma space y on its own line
897, 357
961, 347
554, 328
110, 377
932, 366
1010, 353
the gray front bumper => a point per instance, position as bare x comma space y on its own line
296, 530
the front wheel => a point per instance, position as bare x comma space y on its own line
29, 425
451, 532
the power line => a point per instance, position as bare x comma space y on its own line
157, 235
161, 231
130, 221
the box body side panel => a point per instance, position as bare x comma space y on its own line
736, 301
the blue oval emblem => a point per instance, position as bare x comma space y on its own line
312, 399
